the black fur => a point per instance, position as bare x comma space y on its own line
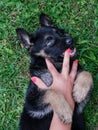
53, 41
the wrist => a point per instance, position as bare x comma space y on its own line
70, 100
57, 124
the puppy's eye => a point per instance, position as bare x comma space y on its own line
50, 41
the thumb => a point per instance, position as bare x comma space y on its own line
37, 81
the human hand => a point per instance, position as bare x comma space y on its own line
62, 82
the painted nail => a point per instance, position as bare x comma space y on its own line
76, 61
68, 50
33, 79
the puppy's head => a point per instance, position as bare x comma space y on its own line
47, 41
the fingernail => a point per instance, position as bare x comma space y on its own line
46, 59
76, 61
33, 79
68, 50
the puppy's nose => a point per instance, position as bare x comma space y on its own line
68, 40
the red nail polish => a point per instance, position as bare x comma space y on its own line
33, 79
76, 61
68, 50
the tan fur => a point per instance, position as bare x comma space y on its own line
82, 86
46, 36
59, 105
41, 53
57, 101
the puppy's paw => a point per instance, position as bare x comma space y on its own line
59, 105
65, 114
82, 86
64, 111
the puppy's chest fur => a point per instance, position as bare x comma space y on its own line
45, 75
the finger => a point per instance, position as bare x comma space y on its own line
51, 68
65, 67
74, 70
37, 81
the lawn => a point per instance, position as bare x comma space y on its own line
78, 17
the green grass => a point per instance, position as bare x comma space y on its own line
78, 17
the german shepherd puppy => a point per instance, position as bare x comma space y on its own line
51, 42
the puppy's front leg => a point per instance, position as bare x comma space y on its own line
82, 86
59, 105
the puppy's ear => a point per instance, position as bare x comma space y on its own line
24, 38
45, 20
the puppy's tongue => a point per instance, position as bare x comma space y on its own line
73, 52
